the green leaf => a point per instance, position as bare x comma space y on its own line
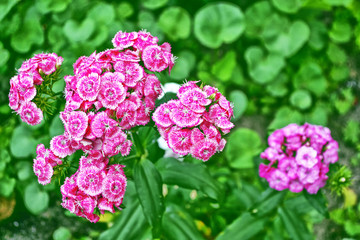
310, 77
240, 103
62, 233
344, 100
318, 35
175, 23
154, 4
45, 6
4, 55
6, 6
148, 184
79, 32
352, 228
29, 34
218, 23
336, 54
102, 13
290, 40
224, 67
131, 224
301, 99
341, 32
177, 224
148, 22
319, 116
256, 17
244, 227
184, 64
293, 225
284, 116
22, 144
338, 2
7, 186
24, 170
318, 202
288, 6
124, 10
36, 201
278, 87
340, 73
197, 176
269, 200
244, 141
351, 131
263, 69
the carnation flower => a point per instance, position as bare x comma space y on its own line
30, 113
299, 158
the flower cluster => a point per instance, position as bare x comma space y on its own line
299, 158
109, 92
94, 186
196, 121
22, 86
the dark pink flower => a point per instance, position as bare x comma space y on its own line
90, 180
30, 113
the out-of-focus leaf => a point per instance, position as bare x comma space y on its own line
177, 224
340, 73
263, 69
24, 170
154, 4
296, 229
62, 233
244, 227
36, 201
344, 100
197, 176
277, 87
6, 6
22, 144
7, 186
102, 13
256, 16
318, 34
4, 55
285, 116
29, 34
301, 99
224, 67
310, 77
218, 23
319, 116
288, 6
175, 23
45, 6
340, 32
352, 228
244, 141
290, 40
184, 64
79, 32
239, 99
269, 200
351, 131
147, 21
338, 2
148, 184
336, 54
124, 10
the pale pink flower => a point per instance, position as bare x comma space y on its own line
88, 86
25, 80
27, 94
203, 150
90, 180
30, 113
308, 175
154, 58
112, 92
295, 186
76, 124
13, 98
306, 156
60, 146
114, 187
124, 40
278, 180
105, 204
43, 170
179, 140
132, 71
184, 117
220, 117
195, 99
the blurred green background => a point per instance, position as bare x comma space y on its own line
278, 61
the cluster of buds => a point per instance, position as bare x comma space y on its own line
195, 123
299, 158
22, 86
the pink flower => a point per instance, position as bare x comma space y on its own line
102, 124
127, 114
152, 86
105, 204
306, 156
30, 113
278, 180
133, 72
89, 161
179, 140
144, 39
43, 171
161, 116
112, 91
60, 146
203, 150
154, 58
13, 99
76, 124
89, 86
114, 187
26, 94
220, 117
184, 117
124, 40
90, 180
195, 99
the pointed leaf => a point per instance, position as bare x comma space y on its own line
294, 224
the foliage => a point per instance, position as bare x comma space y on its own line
279, 61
